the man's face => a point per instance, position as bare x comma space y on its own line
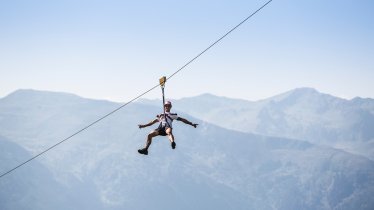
167, 107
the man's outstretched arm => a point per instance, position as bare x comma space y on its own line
149, 124
187, 122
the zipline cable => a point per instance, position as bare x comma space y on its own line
137, 97
218, 40
77, 132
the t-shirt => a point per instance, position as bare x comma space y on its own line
169, 119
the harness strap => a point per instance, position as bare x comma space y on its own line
166, 116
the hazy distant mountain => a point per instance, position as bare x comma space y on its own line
33, 186
302, 113
212, 167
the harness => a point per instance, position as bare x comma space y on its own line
166, 121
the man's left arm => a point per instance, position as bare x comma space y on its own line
187, 122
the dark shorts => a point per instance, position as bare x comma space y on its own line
162, 130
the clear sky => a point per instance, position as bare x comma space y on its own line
116, 50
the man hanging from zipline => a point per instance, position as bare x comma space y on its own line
166, 122
165, 128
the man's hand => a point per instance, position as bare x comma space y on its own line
194, 125
141, 126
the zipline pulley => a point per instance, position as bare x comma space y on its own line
162, 84
162, 81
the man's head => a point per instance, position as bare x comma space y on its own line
167, 106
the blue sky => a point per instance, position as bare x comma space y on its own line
116, 50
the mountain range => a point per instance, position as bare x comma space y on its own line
222, 164
303, 113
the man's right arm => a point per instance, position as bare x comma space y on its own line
149, 124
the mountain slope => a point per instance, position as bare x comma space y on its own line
212, 167
32, 186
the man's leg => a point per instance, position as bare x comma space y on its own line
144, 151
169, 132
149, 138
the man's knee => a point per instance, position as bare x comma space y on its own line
169, 132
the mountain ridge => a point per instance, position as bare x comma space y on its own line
212, 167
301, 113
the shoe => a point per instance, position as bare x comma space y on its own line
143, 151
173, 144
